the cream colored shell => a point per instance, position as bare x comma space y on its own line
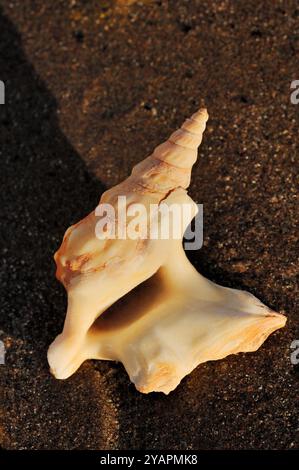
141, 302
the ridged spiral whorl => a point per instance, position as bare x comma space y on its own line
170, 165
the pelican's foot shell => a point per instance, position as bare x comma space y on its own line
140, 301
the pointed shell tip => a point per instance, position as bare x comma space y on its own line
201, 115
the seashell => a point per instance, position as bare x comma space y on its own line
140, 301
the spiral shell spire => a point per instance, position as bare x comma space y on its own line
170, 165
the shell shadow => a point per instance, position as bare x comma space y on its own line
41, 181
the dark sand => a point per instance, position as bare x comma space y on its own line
90, 91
